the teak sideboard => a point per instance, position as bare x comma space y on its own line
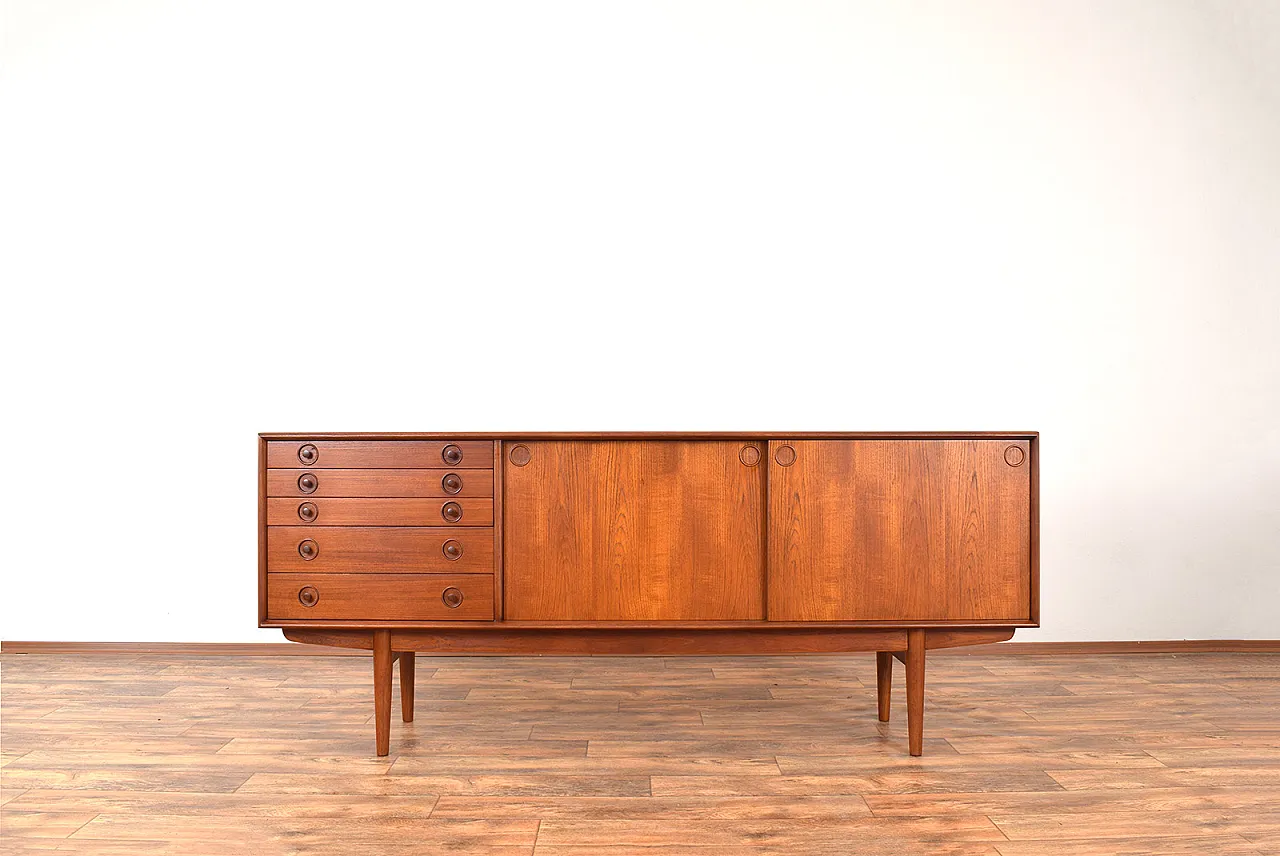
649, 543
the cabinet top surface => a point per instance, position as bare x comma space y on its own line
651, 435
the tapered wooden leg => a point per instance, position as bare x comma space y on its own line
382, 690
884, 681
406, 686
915, 691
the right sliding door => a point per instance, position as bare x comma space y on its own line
899, 530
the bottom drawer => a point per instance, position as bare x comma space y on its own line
380, 597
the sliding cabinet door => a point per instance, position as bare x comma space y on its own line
899, 530
651, 530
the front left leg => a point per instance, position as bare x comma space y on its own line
382, 690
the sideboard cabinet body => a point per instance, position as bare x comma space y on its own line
648, 544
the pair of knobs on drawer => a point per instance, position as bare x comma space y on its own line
450, 511
450, 454
309, 596
309, 483
309, 549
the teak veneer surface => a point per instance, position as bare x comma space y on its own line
374, 454
390, 597
1084, 755
384, 482
906, 530
381, 550
621, 530
283, 511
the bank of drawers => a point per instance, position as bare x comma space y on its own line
394, 530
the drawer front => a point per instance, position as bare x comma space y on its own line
442, 483
380, 597
380, 454
386, 550
323, 511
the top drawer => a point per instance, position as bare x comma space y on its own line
378, 454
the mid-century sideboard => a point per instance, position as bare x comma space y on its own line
649, 543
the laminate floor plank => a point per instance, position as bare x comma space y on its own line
836, 809
572, 756
837, 847
1217, 845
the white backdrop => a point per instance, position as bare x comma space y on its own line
228, 217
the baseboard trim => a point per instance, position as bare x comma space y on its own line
1170, 646
201, 649
278, 649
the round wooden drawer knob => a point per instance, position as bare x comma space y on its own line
452, 597
785, 456
452, 550
308, 596
308, 454
308, 549
452, 483
451, 512
307, 483
308, 512
452, 455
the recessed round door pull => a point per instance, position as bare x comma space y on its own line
307, 512
307, 483
452, 550
451, 455
308, 549
452, 597
785, 456
452, 512
308, 596
452, 483
520, 455
1014, 456
750, 455
308, 454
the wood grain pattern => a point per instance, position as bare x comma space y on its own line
914, 662
380, 550
884, 684
382, 690
674, 642
385, 482
393, 597
634, 531
378, 454
900, 529
282, 511
183, 755
407, 660
499, 574
758, 639
1034, 476
262, 531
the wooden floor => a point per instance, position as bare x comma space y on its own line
1024, 754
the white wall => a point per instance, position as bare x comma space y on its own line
221, 218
